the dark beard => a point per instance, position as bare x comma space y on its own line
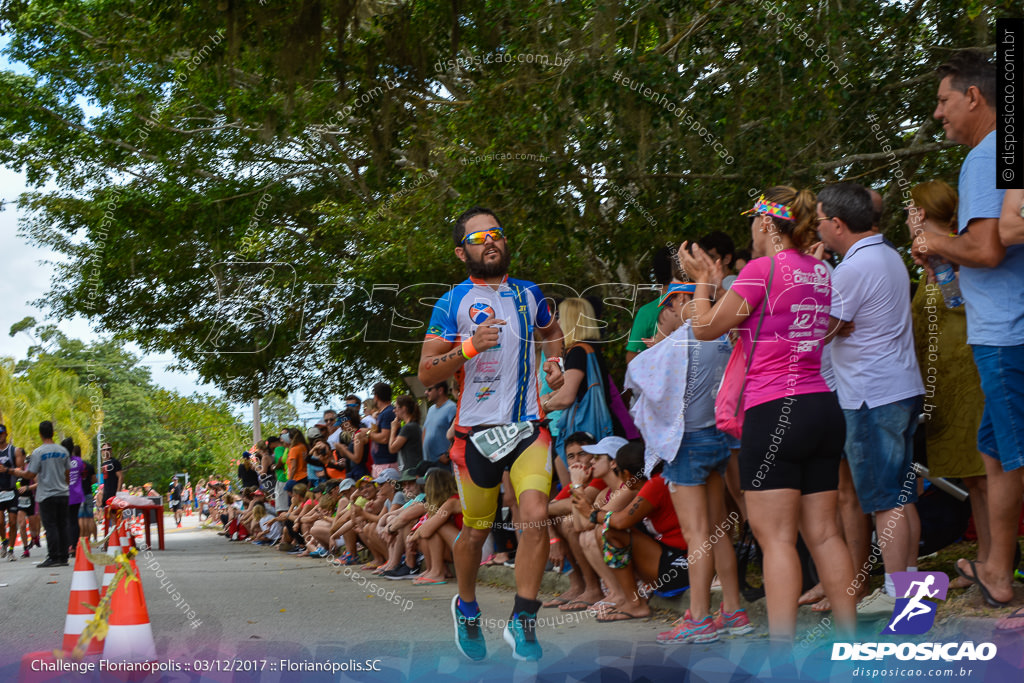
480, 269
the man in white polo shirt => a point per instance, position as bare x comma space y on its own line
877, 378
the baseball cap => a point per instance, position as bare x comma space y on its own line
346, 484
407, 476
387, 475
677, 287
313, 433
609, 446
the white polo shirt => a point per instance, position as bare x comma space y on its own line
876, 364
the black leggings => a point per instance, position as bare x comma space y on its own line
793, 442
73, 530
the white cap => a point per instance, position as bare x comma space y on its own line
609, 446
390, 474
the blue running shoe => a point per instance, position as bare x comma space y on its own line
469, 638
521, 635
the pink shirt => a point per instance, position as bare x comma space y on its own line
787, 357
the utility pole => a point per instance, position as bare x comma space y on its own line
256, 430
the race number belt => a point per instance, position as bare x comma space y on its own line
497, 442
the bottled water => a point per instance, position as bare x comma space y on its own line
945, 276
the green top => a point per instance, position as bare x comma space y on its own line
645, 326
280, 453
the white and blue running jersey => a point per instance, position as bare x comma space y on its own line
497, 386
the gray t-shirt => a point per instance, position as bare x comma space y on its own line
51, 462
707, 365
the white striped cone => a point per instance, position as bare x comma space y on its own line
130, 635
83, 590
125, 533
113, 549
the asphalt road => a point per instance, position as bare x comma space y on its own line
262, 615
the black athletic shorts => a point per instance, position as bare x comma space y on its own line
673, 567
793, 442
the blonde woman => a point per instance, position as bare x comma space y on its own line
580, 326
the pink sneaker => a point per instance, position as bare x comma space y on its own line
736, 623
687, 631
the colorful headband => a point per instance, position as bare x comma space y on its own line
677, 287
763, 206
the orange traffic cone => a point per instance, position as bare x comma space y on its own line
113, 549
130, 635
83, 590
127, 541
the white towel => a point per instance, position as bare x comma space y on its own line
657, 377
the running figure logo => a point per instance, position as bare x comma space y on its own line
914, 613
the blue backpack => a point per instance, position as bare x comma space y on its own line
591, 414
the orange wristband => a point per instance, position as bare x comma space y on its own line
468, 350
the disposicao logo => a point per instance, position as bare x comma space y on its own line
914, 614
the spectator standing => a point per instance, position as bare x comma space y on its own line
50, 463
645, 322
297, 456
86, 514
992, 284
280, 455
113, 477
877, 378
793, 429
380, 435
75, 497
406, 434
578, 321
8, 496
954, 402
440, 416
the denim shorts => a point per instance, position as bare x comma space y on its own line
86, 511
1001, 434
880, 450
701, 452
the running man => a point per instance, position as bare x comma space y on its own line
915, 607
482, 331
174, 498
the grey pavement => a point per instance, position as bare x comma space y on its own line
259, 608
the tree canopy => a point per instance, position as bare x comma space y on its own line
266, 189
83, 388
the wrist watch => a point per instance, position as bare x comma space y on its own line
593, 517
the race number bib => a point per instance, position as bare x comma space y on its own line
6, 496
497, 442
24, 502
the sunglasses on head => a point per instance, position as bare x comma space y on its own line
480, 236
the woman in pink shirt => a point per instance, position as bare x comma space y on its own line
793, 430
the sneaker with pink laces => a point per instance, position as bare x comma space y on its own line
688, 631
735, 624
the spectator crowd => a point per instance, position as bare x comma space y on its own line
785, 390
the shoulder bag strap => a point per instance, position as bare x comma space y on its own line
757, 333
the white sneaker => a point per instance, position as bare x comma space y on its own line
878, 604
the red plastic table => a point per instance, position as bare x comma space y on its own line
144, 511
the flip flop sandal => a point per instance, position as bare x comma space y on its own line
975, 580
575, 606
1015, 614
556, 602
428, 582
615, 612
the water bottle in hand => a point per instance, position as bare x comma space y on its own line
945, 277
